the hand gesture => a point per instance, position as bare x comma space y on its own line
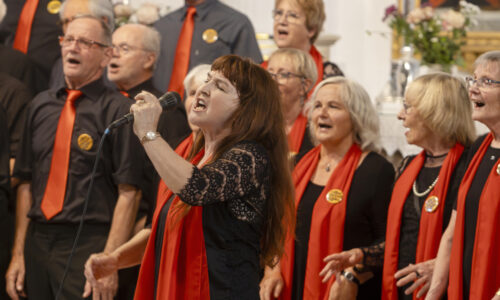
340, 261
420, 274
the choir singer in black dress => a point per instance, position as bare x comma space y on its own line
342, 191
226, 213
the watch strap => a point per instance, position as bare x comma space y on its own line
351, 277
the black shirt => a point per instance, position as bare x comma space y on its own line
14, 97
4, 165
19, 66
122, 153
43, 47
472, 208
366, 214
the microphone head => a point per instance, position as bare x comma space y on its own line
169, 100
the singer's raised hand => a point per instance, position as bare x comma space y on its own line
147, 111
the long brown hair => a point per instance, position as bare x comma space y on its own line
259, 118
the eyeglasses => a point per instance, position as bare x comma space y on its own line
290, 16
83, 43
124, 48
284, 76
481, 82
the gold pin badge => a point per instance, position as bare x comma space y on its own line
54, 6
431, 204
334, 196
210, 36
85, 142
498, 169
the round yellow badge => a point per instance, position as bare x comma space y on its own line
210, 35
431, 204
54, 6
334, 196
85, 142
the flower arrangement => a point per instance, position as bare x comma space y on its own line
437, 37
146, 14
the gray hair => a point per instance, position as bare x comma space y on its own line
364, 118
102, 9
3, 10
151, 41
487, 57
303, 63
197, 74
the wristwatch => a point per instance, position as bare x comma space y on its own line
351, 277
149, 136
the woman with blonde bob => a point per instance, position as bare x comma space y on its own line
437, 115
297, 24
295, 72
342, 190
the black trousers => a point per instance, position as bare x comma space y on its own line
46, 252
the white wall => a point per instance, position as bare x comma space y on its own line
364, 58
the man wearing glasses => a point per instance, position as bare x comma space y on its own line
63, 130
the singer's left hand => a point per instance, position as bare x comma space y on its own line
147, 111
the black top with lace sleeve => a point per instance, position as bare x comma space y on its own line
233, 191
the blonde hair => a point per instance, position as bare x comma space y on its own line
303, 63
364, 118
442, 101
314, 11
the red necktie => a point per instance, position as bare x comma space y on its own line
125, 94
23, 31
53, 199
182, 53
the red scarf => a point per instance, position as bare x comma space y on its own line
485, 271
327, 221
430, 232
296, 135
183, 269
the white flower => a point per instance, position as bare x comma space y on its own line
147, 14
122, 10
452, 19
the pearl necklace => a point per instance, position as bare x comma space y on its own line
426, 191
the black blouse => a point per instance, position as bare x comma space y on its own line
233, 191
366, 214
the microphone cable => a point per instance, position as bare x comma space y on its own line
85, 205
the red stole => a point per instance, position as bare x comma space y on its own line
431, 223
326, 235
296, 135
183, 270
485, 274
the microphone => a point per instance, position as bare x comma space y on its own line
167, 101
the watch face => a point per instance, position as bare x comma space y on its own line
150, 135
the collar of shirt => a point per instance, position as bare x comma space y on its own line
93, 90
201, 10
143, 86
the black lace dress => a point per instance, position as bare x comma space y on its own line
233, 191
